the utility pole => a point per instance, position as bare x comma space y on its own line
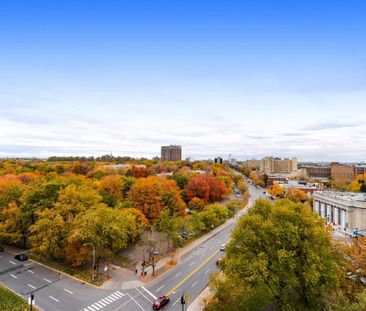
30, 301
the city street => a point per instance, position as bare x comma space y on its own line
59, 292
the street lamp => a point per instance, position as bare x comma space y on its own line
85, 244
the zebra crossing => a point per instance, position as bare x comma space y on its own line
100, 304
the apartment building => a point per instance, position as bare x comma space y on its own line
271, 165
171, 153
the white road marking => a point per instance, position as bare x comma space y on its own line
13, 276
91, 308
69, 291
178, 274
30, 271
141, 293
176, 302
31, 286
99, 305
191, 263
47, 280
150, 293
12, 262
162, 286
112, 298
95, 306
135, 302
53, 298
120, 293
106, 301
194, 283
208, 270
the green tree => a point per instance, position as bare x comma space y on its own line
282, 250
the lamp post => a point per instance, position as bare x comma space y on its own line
85, 244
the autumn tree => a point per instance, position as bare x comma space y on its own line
10, 224
152, 195
207, 188
279, 253
296, 195
277, 190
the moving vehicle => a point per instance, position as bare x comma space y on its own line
160, 302
222, 247
21, 257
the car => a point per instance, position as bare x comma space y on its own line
21, 257
1, 249
160, 302
222, 247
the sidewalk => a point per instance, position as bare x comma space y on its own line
123, 278
200, 302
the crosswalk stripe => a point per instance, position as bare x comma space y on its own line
118, 295
101, 303
98, 305
112, 298
108, 299
115, 296
90, 308
95, 306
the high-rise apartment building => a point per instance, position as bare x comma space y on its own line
171, 153
273, 165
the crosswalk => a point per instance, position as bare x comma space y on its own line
100, 304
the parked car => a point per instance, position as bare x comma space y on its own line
222, 247
160, 302
21, 257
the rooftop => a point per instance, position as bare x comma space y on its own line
343, 196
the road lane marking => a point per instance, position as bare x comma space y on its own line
150, 293
31, 286
162, 286
112, 298
120, 293
193, 272
12, 262
94, 306
99, 305
176, 302
30, 271
178, 274
141, 293
13, 276
135, 302
53, 298
91, 309
106, 301
117, 294
208, 270
194, 283
69, 291
191, 263
47, 280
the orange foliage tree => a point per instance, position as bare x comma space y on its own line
207, 188
152, 195
277, 190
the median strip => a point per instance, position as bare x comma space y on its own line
193, 272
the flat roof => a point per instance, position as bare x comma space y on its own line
343, 196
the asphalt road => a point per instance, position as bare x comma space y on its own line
58, 292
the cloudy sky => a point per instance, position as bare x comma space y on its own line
247, 78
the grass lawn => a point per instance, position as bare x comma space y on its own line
10, 301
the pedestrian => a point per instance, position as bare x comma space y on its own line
136, 271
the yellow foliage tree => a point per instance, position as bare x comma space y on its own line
277, 190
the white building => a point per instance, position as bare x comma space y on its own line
345, 210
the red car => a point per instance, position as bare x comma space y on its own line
160, 302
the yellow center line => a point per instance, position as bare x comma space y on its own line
193, 272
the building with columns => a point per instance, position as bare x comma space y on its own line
345, 210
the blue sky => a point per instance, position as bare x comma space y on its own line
250, 78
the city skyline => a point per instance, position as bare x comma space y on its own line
250, 80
